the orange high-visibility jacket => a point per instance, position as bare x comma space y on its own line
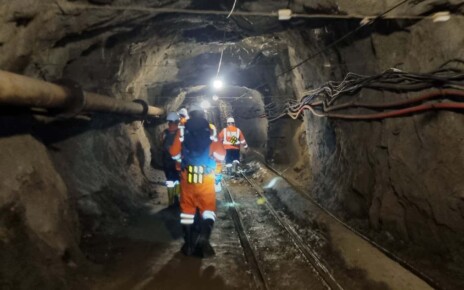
216, 150
232, 137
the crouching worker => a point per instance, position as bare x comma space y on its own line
170, 168
197, 182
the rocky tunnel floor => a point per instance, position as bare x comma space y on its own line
145, 254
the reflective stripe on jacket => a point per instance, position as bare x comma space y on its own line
232, 137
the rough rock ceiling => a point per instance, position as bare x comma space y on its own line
33, 27
174, 50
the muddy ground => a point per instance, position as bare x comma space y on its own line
145, 253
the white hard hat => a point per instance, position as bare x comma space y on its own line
230, 120
183, 112
172, 116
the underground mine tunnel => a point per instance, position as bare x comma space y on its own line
350, 176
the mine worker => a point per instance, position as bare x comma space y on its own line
232, 138
171, 170
196, 154
184, 116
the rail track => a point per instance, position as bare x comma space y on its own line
250, 254
429, 280
265, 229
311, 270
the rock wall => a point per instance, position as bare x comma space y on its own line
398, 180
64, 180
37, 223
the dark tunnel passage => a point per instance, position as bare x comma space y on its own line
350, 176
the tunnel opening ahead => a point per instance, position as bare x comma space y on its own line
246, 106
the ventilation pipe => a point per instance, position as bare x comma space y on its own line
69, 98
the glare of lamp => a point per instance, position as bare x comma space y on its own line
205, 105
273, 182
215, 98
217, 84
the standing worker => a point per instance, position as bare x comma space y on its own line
184, 116
196, 153
232, 138
171, 171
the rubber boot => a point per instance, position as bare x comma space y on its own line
197, 224
188, 248
204, 248
234, 168
229, 169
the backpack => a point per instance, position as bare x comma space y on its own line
196, 145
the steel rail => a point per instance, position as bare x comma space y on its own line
389, 254
307, 252
250, 255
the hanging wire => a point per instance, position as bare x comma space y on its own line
232, 10
334, 43
321, 101
361, 25
220, 59
68, 6
392, 79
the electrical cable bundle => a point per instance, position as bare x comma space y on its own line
324, 100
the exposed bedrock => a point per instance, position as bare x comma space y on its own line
65, 180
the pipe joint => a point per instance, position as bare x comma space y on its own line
144, 105
75, 103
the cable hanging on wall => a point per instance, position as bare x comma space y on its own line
326, 99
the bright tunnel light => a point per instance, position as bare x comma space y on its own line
217, 84
205, 105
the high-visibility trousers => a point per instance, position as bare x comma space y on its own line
197, 195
